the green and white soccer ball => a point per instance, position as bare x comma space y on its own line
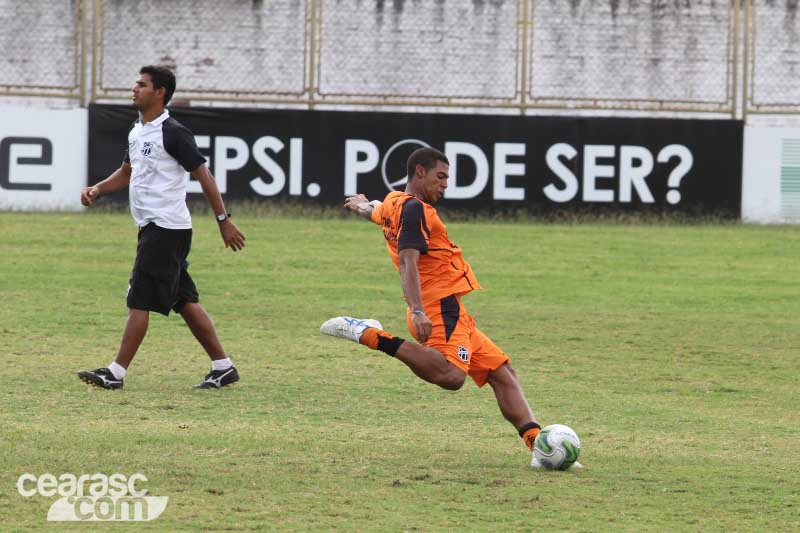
556, 447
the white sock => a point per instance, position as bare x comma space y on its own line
117, 369
221, 364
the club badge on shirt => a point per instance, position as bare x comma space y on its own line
463, 354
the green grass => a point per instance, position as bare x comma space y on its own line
672, 350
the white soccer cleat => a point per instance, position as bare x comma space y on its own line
349, 328
536, 464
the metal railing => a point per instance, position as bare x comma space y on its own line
729, 58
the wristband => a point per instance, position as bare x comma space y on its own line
418, 312
222, 217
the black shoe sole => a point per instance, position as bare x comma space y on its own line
206, 385
90, 379
209, 386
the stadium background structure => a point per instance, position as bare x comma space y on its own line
724, 59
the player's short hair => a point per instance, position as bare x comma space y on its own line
162, 77
427, 157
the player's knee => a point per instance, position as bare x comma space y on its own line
503, 375
453, 380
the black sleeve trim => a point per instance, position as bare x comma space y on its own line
425, 224
179, 143
412, 225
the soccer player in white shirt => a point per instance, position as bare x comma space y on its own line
161, 153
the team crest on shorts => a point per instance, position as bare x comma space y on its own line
463, 354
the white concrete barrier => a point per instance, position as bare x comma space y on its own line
43, 158
771, 175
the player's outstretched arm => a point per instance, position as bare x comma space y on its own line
118, 179
360, 205
233, 238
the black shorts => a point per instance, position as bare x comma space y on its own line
159, 281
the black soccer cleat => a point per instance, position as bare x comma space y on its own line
216, 379
102, 377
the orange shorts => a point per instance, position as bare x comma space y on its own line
457, 337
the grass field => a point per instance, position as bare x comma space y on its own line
673, 350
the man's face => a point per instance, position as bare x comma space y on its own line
144, 96
434, 181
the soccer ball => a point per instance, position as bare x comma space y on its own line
556, 447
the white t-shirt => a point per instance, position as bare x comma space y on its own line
161, 154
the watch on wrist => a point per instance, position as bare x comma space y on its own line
418, 312
222, 217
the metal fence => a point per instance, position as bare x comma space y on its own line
43, 48
230, 50
442, 53
732, 57
634, 55
772, 57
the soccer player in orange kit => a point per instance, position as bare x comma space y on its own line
435, 277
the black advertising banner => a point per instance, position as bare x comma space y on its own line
542, 164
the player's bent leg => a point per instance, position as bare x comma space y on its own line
430, 365
112, 376
202, 327
135, 330
515, 408
510, 397
222, 372
427, 363
512, 402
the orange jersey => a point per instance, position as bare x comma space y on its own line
442, 268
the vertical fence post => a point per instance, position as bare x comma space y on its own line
735, 41
84, 7
312, 56
746, 67
523, 56
97, 19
